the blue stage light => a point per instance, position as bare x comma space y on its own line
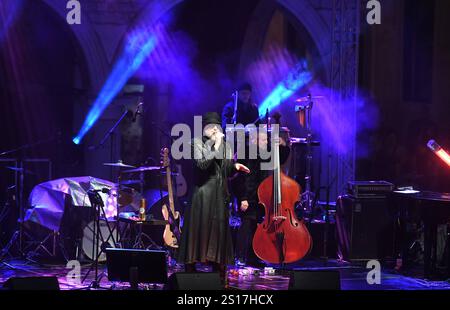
139, 45
296, 79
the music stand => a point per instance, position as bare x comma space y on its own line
136, 266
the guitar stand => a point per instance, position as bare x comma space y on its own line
139, 243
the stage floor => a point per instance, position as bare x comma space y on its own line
353, 276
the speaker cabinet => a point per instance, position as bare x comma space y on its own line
32, 284
365, 228
315, 280
195, 281
136, 266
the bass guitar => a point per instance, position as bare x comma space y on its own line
172, 231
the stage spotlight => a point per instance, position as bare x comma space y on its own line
76, 140
139, 45
296, 79
439, 151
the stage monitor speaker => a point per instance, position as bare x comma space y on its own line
32, 284
365, 228
315, 280
136, 266
194, 281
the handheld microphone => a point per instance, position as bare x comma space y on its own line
220, 135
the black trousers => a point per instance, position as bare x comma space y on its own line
244, 248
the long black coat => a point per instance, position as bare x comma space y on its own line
206, 234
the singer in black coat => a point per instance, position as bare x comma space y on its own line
206, 233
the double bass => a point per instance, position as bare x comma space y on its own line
281, 237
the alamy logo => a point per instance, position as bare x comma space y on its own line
74, 15
374, 275
186, 146
374, 15
73, 277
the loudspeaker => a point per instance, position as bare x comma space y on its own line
32, 284
136, 266
194, 281
315, 280
365, 228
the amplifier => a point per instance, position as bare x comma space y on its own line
365, 228
369, 189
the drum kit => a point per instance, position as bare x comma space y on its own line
99, 233
125, 197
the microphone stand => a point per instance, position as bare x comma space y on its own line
235, 95
98, 249
27, 146
111, 133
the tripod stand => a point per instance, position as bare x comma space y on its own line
97, 204
17, 236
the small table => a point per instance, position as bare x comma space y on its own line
433, 209
136, 222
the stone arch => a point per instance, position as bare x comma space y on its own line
301, 10
91, 47
305, 19
96, 59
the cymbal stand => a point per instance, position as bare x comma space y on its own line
118, 242
307, 197
138, 243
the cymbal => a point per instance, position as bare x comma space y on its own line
307, 98
118, 164
143, 169
172, 173
303, 141
130, 182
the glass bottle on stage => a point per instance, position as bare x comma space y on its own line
142, 209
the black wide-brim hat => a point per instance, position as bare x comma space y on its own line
211, 118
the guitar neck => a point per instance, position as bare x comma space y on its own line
170, 189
